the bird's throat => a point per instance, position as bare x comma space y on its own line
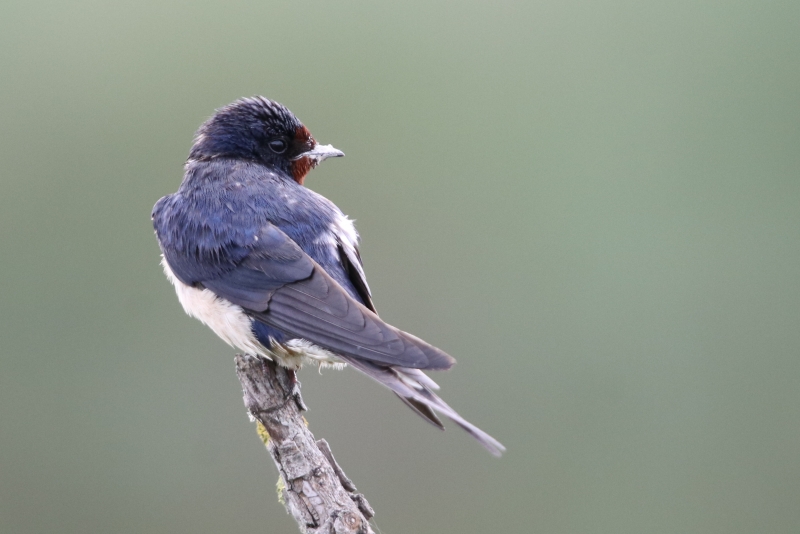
300, 168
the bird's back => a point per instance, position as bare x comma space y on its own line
221, 206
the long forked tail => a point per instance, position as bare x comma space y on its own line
415, 389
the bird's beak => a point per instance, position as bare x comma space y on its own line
320, 153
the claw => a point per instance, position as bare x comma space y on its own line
295, 393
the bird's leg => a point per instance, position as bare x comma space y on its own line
295, 393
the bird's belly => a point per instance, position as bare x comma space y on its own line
234, 327
226, 319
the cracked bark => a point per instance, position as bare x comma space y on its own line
312, 486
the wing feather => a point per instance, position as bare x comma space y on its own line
277, 283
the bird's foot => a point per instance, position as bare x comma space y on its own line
295, 392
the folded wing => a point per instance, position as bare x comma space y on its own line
280, 285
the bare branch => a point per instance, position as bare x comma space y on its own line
313, 487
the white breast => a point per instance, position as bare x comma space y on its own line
343, 231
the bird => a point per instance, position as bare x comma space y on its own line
274, 268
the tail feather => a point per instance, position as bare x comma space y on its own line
423, 410
415, 391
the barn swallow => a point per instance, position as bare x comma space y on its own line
274, 269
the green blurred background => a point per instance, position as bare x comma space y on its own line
595, 206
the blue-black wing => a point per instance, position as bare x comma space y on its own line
354, 270
278, 284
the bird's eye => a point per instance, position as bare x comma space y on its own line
278, 146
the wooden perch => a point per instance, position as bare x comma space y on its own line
312, 486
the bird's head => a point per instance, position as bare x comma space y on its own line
259, 129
